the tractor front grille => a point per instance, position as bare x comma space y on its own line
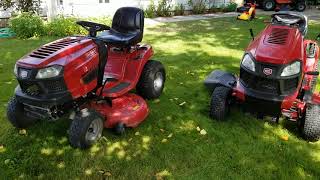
30, 88
274, 86
38, 87
41, 87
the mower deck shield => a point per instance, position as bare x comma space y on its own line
220, 78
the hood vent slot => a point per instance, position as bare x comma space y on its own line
278, 36
49, 49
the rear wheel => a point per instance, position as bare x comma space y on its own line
17, 115
311, 125
269, 5
301, 6
220, 103
86, 129
151, 82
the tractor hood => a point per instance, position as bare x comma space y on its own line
277, 45
59, 52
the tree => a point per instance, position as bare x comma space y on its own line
21, 5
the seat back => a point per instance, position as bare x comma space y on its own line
129, 20
291, 18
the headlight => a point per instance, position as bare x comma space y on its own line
15, 70
248, 63
49, 72
292, 69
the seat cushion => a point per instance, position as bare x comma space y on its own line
116, 38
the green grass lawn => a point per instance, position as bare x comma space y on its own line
167, 144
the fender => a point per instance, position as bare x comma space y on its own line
220, 78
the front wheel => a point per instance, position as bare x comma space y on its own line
86, 129
311, 124
151, 82
17, 115
220, 103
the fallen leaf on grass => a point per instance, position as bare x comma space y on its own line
176, 99
107, 174
170, 135
156, 101
285, 138
88, 172
164, 140
183, 103
198, 128
2, 148
162, 174
137, 133
203, 132
9, 82
23, 132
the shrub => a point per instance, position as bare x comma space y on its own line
66, 26
62, 26
27, 25
231, 7
150, 12
179, 10
163, 8
197, 6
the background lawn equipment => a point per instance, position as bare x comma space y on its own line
270, 5
278, 75
248, 12
89, 78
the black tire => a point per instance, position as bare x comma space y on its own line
220, 103
85, 129
268, 5
311, 125
301, 6
120, 128
17, 115
149, 85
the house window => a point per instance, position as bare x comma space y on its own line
104, 1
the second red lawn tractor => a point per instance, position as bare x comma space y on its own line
278, 76
270, 5
89, 78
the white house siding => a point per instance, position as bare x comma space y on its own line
92, 8
89, 8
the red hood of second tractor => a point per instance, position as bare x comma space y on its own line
277, 45
59, 52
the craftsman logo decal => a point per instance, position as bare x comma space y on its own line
267, 71
23, 74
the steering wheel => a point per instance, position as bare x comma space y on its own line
92, 27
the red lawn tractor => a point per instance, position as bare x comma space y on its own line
89, 78
270, 5
278, 75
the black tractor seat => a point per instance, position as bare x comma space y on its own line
127, 28
291, 18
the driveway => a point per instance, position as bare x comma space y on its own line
313, 14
